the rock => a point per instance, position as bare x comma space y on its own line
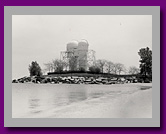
14, 81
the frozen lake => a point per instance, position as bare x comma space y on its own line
81, 101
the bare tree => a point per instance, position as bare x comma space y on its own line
109, 66
58, 65
44, 71
49, 67
118, 68
55, 66
101, 63
133, 70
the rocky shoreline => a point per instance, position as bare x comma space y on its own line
75, 80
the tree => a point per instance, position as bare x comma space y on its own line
101, 63
97, 70
118, 68
109, 66
145, 62
34, 69
49, 66
94, 69
133, 70
81, 69
58, 65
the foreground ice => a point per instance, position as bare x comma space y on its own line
116, 101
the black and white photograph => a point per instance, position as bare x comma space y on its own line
81, 66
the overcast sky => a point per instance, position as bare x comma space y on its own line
40, 38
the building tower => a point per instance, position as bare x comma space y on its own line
82, 51
77, 56
72, 55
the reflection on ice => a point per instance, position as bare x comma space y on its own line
47, 100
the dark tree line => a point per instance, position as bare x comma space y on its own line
145, 63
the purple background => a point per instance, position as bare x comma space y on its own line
161, 3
